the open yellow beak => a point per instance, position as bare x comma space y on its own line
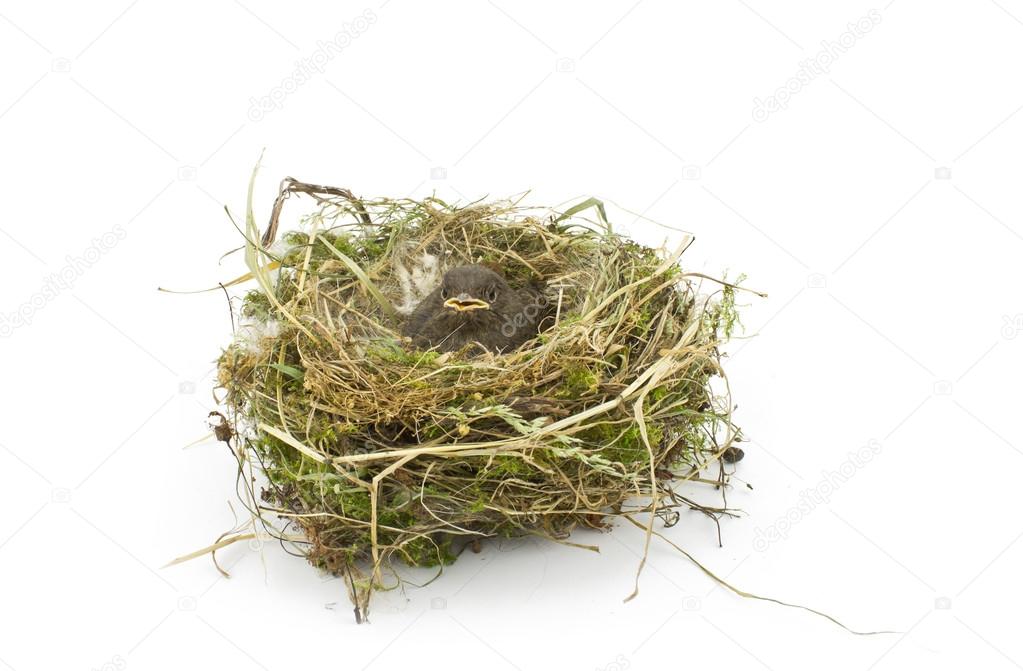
464, 303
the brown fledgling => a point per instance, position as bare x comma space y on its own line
475, 305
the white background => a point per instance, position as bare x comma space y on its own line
880, 211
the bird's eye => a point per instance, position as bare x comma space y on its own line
492, 294
444, 293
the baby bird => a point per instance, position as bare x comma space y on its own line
475, 305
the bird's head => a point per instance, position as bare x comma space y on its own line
466, 289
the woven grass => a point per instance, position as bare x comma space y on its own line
373, 453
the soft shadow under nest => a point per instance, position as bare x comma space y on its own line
373, 450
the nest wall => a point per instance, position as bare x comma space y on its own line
374, 450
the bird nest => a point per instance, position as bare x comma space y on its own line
376, 449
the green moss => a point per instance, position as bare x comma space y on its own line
295, 238
354, 504
570, 319
392, 352
513, 466
644, 318
321, 249
723, 318
397, 513
577, 381
433, 431
509, 529
624, 445
374, 249
427, 551
342, 242
256, 305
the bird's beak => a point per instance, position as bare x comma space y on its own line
465, 302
